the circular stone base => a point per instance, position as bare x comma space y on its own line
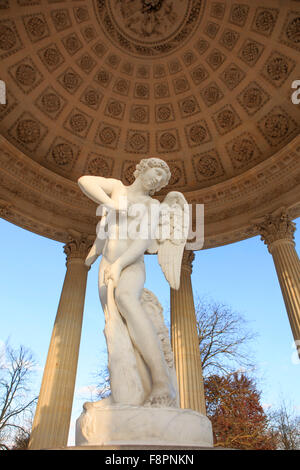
123, 426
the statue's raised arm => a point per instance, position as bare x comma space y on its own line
106, 192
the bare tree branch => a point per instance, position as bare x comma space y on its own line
223, 338
286, 426
16, 368
103, 390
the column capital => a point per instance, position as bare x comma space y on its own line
187, 261
77, 248
276, 227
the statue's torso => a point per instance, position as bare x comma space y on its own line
123, 226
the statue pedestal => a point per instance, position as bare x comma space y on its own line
124, 425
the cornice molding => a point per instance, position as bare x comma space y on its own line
48, 204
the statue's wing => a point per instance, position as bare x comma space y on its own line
172, 236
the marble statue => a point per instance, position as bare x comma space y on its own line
140, 359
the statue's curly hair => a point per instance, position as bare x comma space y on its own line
153, 162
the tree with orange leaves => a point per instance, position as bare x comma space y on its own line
238, 419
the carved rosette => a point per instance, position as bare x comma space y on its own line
187, 261
5, 209
276, 227
77, 248
148, 28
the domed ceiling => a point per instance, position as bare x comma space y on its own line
94, 86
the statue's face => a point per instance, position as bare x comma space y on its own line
153, 178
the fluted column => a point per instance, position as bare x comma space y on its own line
53, 413
277, 231
185, 341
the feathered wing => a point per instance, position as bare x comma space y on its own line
172, 236
170, 258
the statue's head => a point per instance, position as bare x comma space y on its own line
154, 173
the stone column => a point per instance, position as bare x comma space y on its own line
277, 231
185, 341
53, 413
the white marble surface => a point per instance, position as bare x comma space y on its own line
131, 425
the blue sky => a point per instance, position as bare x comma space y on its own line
241, 275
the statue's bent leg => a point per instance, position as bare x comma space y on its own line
141, 330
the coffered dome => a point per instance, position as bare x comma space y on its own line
94, 86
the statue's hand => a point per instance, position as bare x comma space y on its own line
113, 272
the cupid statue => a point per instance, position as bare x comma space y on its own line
140, 359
